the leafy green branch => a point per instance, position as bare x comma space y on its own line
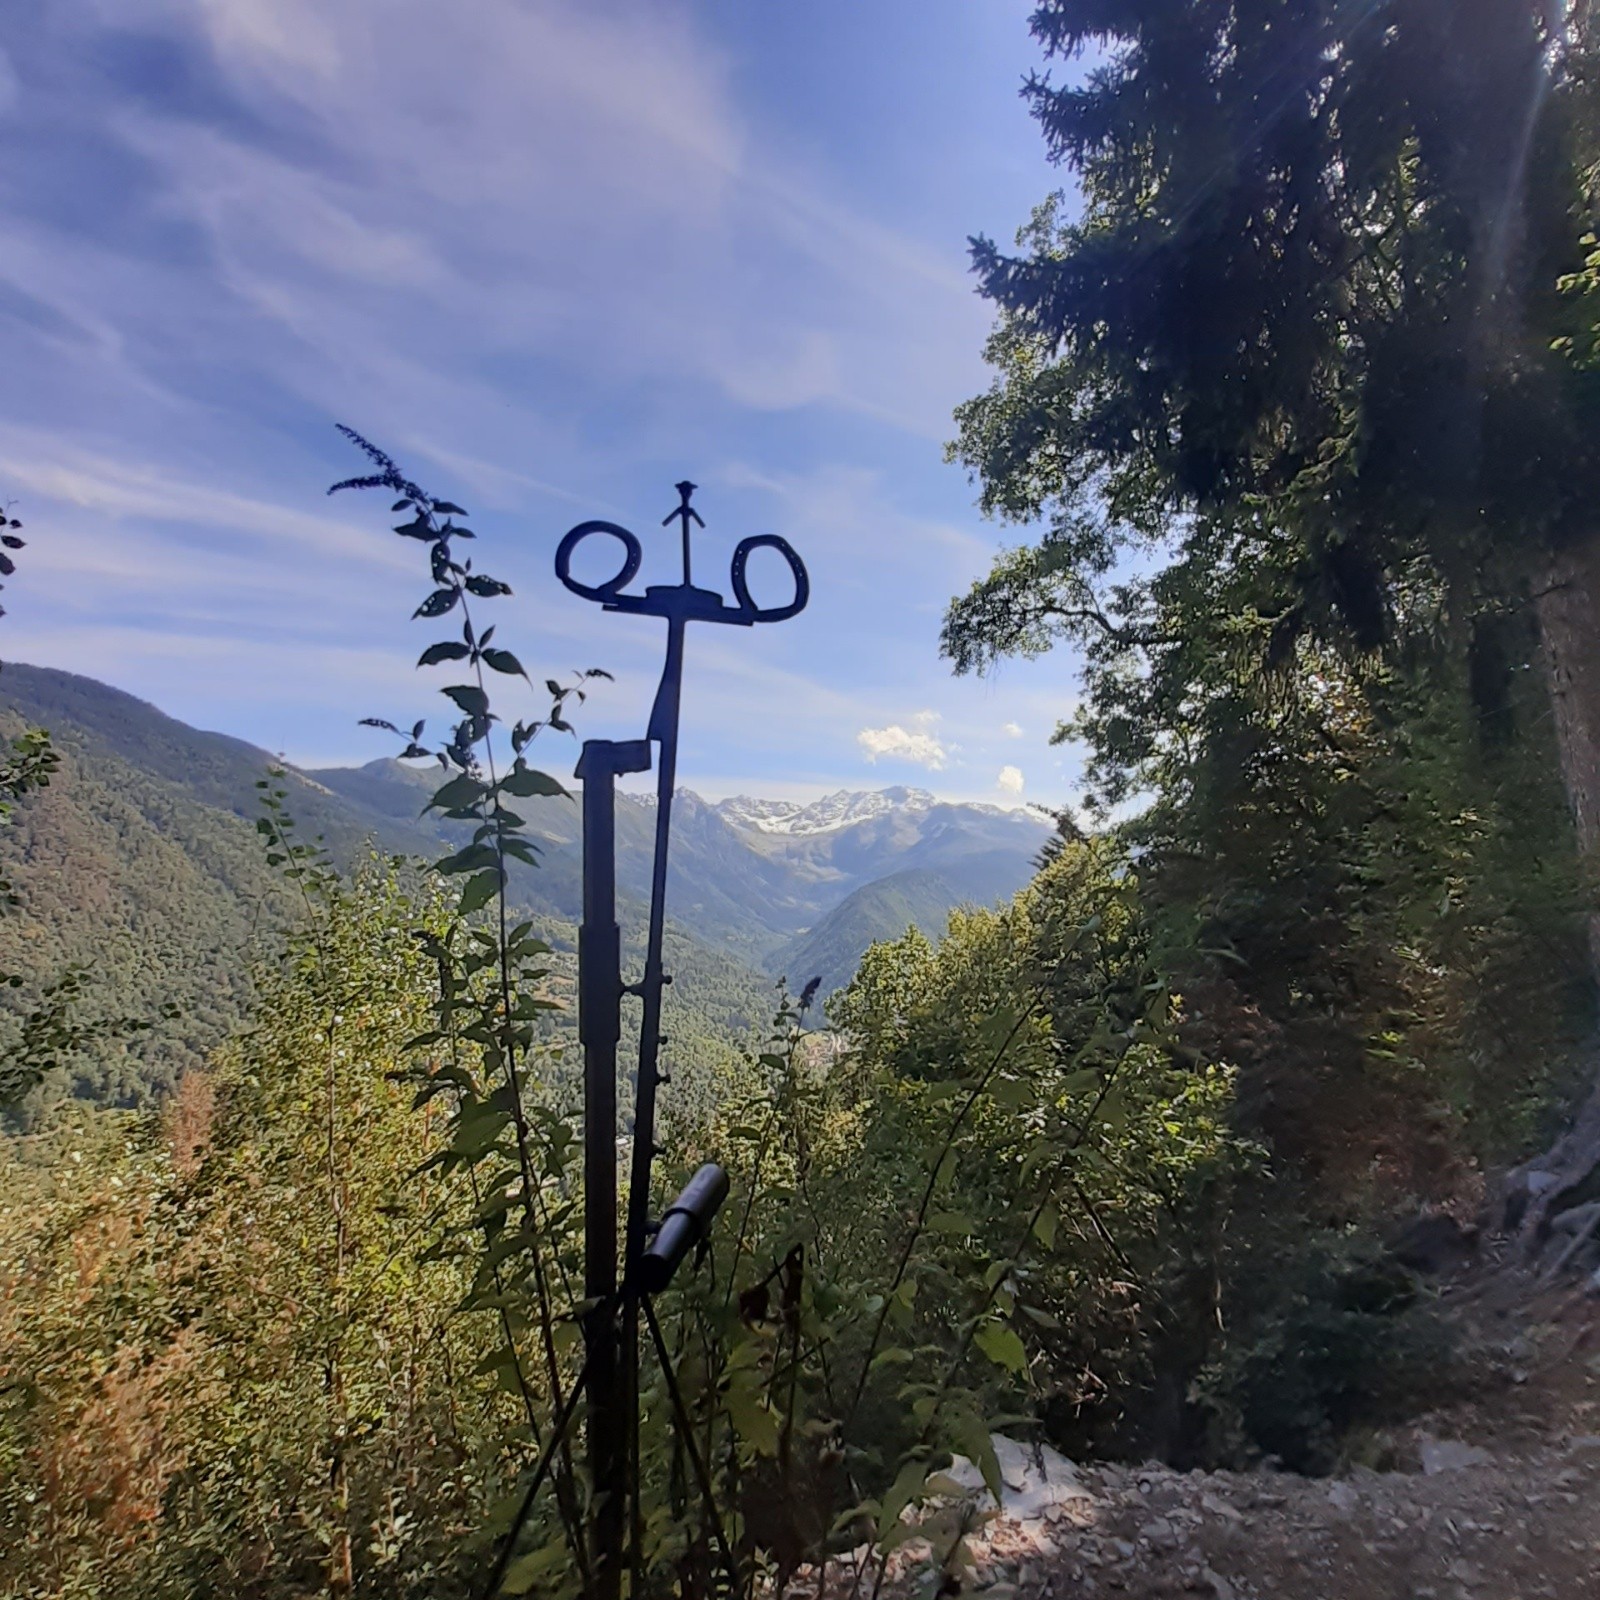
501, 968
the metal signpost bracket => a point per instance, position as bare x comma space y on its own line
611, 1328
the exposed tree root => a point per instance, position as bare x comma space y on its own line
1538, 1192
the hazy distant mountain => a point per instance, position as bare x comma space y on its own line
882, 909
755, 877
142, 859
838, 810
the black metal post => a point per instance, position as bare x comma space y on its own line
599, 1028
612, 1327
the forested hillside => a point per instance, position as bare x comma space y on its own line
915, 898
141, 863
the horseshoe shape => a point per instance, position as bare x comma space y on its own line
741, 589
633, 555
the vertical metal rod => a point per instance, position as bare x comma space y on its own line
686, 1432
663, 730
599, 1028
613, 1338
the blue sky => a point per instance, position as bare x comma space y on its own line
555, 256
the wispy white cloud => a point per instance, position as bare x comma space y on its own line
1012, 730
10, 89
1010, 780
119, 489
547, 252
615, 129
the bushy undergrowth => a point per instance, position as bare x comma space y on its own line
250, 1346
1326, 1333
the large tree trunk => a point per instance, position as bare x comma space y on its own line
1568, 602
1569, 625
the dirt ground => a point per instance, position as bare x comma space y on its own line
1496, 1498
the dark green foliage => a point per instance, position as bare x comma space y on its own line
1285, 400
1097, 1157
141, 864
1325, 1334
1320, 246
214, 1312
46, 1021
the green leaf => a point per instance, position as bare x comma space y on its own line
1086, 1081
475, 1134
526, 1571
995, 1271
1044, 1227
893, 1356
1014, 1093
851, 1514
523, 781
474, 857
470, 698
478, 891
1113, 1112
907, 1485
504, 661
1002, 1346
971, 1432
752, 1420
437, 603
461, 791
446, 650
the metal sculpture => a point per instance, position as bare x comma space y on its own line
651, 1251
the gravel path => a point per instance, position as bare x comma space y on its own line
1496, 1499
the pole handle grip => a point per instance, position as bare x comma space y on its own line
687, 1221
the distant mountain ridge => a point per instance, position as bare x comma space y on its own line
754, 876
144, 849
837, 810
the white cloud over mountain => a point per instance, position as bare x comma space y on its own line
902, 744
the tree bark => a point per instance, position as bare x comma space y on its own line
1568, 605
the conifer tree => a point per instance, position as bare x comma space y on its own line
1306, 398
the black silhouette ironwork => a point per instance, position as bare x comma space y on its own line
612, 1325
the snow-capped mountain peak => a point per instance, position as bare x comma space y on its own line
837, 810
